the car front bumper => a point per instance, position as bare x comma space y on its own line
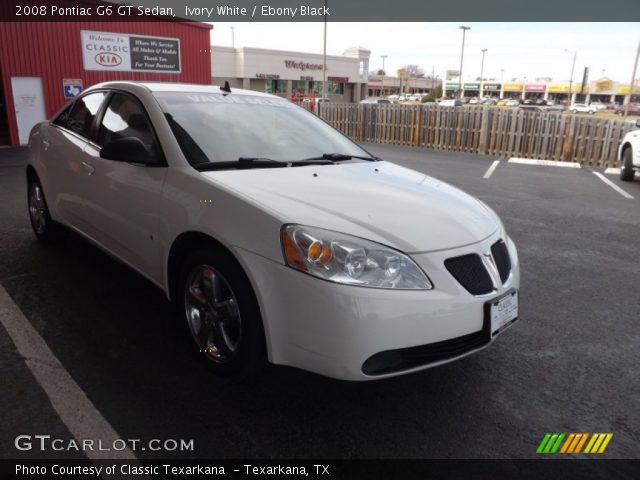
333, 329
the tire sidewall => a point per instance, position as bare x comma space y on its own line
626, 172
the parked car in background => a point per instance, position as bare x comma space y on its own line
376, 100
450, 102
502, 103
598, 105
512, 103
277, 237
582, 108
629, 154
634, 109
474, 101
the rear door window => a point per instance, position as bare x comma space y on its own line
79, 116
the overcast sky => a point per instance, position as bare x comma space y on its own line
528, 50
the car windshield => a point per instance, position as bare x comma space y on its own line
213, 127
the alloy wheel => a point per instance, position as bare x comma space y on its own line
37, 209
212, 313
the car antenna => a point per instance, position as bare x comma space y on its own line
226, 87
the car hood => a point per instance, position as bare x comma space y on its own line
379, 201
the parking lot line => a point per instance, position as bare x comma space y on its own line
613, 185
546, 163
76, 411
491, 169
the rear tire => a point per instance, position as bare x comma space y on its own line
626, 170
45, 229
219, 308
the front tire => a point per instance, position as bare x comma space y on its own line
626, 170
221, 313
44, 228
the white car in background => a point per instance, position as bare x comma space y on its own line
450, 102
276, 236
629, 154
583, 108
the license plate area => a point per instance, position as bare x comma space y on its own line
502, 312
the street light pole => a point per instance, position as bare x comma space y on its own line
633, 79
233, 37
484, 50
384, 72
464, 31
433, 72
573, 66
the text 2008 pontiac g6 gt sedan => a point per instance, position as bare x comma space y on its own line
277, 237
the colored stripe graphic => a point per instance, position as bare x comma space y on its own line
598, 443
550, 443
605, 443
581, 442
543, 443
570, 438
574, 442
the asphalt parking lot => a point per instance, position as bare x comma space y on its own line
570, 364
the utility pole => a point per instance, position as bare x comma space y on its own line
324, 57
464, 31
631, 85
573, 66
384, 72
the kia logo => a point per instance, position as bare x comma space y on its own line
108, 59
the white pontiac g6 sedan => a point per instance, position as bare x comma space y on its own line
629, 154
277, 237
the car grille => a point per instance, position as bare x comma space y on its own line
471, 273
392, 361
502, 260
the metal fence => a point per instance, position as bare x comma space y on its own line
497, 131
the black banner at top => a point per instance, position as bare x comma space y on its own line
319, 10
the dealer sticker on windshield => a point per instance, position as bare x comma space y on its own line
504, 311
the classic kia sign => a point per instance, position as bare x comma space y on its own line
128, 53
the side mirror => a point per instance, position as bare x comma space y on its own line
128, 149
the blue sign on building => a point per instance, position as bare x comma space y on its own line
71, 87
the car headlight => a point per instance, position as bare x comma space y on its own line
342, 258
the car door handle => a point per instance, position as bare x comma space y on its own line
90, 169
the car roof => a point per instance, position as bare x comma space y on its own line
176, 87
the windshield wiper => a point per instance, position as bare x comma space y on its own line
337, 157
244, 163
240, 164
